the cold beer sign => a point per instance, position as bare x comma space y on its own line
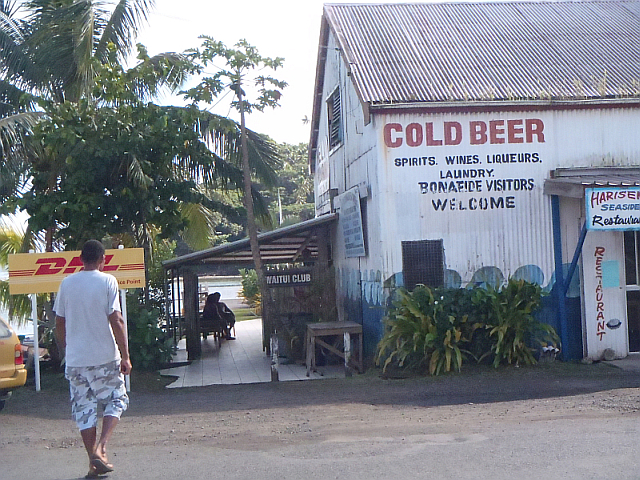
43, 272
613, 208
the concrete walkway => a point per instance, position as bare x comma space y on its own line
237, 361
628, 364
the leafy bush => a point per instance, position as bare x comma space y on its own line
436, 329
508, 315
251, 289
425, 328
149, 345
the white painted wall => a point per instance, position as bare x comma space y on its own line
508, 230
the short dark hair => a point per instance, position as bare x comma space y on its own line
92, 251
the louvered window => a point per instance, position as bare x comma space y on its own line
423, 263
334, 110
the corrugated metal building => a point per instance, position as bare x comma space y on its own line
466, 143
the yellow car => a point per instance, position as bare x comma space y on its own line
12, 371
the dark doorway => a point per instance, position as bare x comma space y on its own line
632, 273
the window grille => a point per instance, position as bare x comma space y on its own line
334, 110
423, 263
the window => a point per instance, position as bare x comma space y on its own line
631, 251
335, 119
423, 263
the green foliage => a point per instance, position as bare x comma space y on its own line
240, 60
295, 191
423, 331
508, 315
436, 329
250, 289
149, 345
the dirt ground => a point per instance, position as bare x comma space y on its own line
568, 420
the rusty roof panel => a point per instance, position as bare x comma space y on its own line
446, 52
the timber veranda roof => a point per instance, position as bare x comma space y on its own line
291, 244
498, 51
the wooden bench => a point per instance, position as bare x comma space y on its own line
317, 330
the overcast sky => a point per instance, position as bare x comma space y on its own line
278, 28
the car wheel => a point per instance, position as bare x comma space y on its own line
2, 402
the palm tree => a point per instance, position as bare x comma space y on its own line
14, 238
52, 48
56, 51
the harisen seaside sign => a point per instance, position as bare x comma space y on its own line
612, 208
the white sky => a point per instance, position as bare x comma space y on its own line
277, 28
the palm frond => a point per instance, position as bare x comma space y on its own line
14, 99
83, 35
200, 228
126, 19
14, 61
223, 136
168, 72
13, 130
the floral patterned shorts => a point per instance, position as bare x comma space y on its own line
93, 386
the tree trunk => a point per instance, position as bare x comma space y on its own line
248, 202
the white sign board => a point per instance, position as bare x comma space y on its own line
351, 221
613, 208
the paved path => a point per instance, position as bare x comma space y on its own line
237, 361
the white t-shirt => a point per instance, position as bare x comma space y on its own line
86, 299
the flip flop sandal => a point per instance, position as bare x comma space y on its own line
92, 473
101, 467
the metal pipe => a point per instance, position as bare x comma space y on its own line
576, 256
557, 250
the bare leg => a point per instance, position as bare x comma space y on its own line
108, 426
89, 439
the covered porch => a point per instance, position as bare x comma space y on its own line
306, 243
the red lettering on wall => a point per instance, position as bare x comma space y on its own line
514, 128
431, 142
599, 294
391, 140
496, 129
535, 127
452, 133
414, 135
477, 133
435, 134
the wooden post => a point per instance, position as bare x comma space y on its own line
347, 354
191, 315
275, 377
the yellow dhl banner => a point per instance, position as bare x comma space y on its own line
43, 272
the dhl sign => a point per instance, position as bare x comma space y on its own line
43, 272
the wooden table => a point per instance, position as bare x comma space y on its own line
346, 329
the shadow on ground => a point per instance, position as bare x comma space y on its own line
475, 385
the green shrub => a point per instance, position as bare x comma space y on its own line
149, 345
436, 329
508, 316
425, 329
251, 289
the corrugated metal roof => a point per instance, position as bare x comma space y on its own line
284, 245
457, 52
571, 182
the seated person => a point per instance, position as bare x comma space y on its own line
211, 320
214, 307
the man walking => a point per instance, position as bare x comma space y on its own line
91, 328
